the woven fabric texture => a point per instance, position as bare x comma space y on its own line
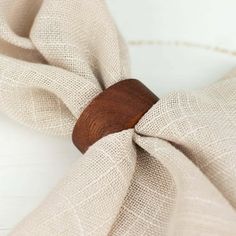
173, 174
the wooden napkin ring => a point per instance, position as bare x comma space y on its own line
117, 108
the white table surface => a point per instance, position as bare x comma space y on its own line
32, 163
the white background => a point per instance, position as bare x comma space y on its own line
32, 163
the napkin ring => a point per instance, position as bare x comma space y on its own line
117, 108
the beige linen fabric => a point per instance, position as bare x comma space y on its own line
174, 174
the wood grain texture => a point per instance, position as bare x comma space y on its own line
117, 108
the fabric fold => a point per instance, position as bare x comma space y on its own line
202, 125
89, 198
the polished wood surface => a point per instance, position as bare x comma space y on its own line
117, 108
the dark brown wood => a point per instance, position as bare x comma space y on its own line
117, 108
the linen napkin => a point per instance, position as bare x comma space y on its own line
173, 174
